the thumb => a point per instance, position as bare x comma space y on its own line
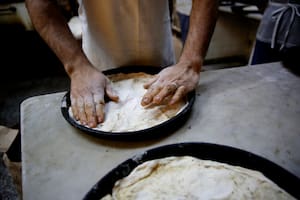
110, 92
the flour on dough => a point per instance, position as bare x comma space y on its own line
189, 178
127, 114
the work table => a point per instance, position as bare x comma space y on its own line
254, 108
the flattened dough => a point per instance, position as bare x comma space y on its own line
189, 178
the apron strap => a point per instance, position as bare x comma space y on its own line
278, 14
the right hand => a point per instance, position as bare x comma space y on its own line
88, 87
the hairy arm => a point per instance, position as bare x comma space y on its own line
177, 80
202, 23
88, 85
52, 27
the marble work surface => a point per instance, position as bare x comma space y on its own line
253, 108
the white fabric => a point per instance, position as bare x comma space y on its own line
184, 6
75, 27
129, 32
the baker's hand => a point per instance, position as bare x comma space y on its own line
171, 84
88, 88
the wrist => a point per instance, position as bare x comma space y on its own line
76, 65
195, 62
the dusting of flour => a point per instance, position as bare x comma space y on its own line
128, 114
189, 178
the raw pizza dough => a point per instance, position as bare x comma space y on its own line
189, 178
128, 114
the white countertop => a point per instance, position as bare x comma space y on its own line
253, 108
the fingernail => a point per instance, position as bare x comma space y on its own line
91, 125
146, 100
157, 99
100, 119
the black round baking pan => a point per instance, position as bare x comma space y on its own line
206, 151
159, 130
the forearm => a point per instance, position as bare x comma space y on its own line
202, 23
53, 28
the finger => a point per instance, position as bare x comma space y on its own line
166, 91
179, 94
99, 102
81, 112
90, 111
150, 82
74, 108
148, 97
100, 112
111, 93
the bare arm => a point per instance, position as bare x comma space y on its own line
176, 81
87, 84
202, 23
53, 28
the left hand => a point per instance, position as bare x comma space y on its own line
171, 84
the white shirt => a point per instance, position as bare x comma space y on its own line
126, 32
184, 6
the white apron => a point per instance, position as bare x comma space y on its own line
119, 33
